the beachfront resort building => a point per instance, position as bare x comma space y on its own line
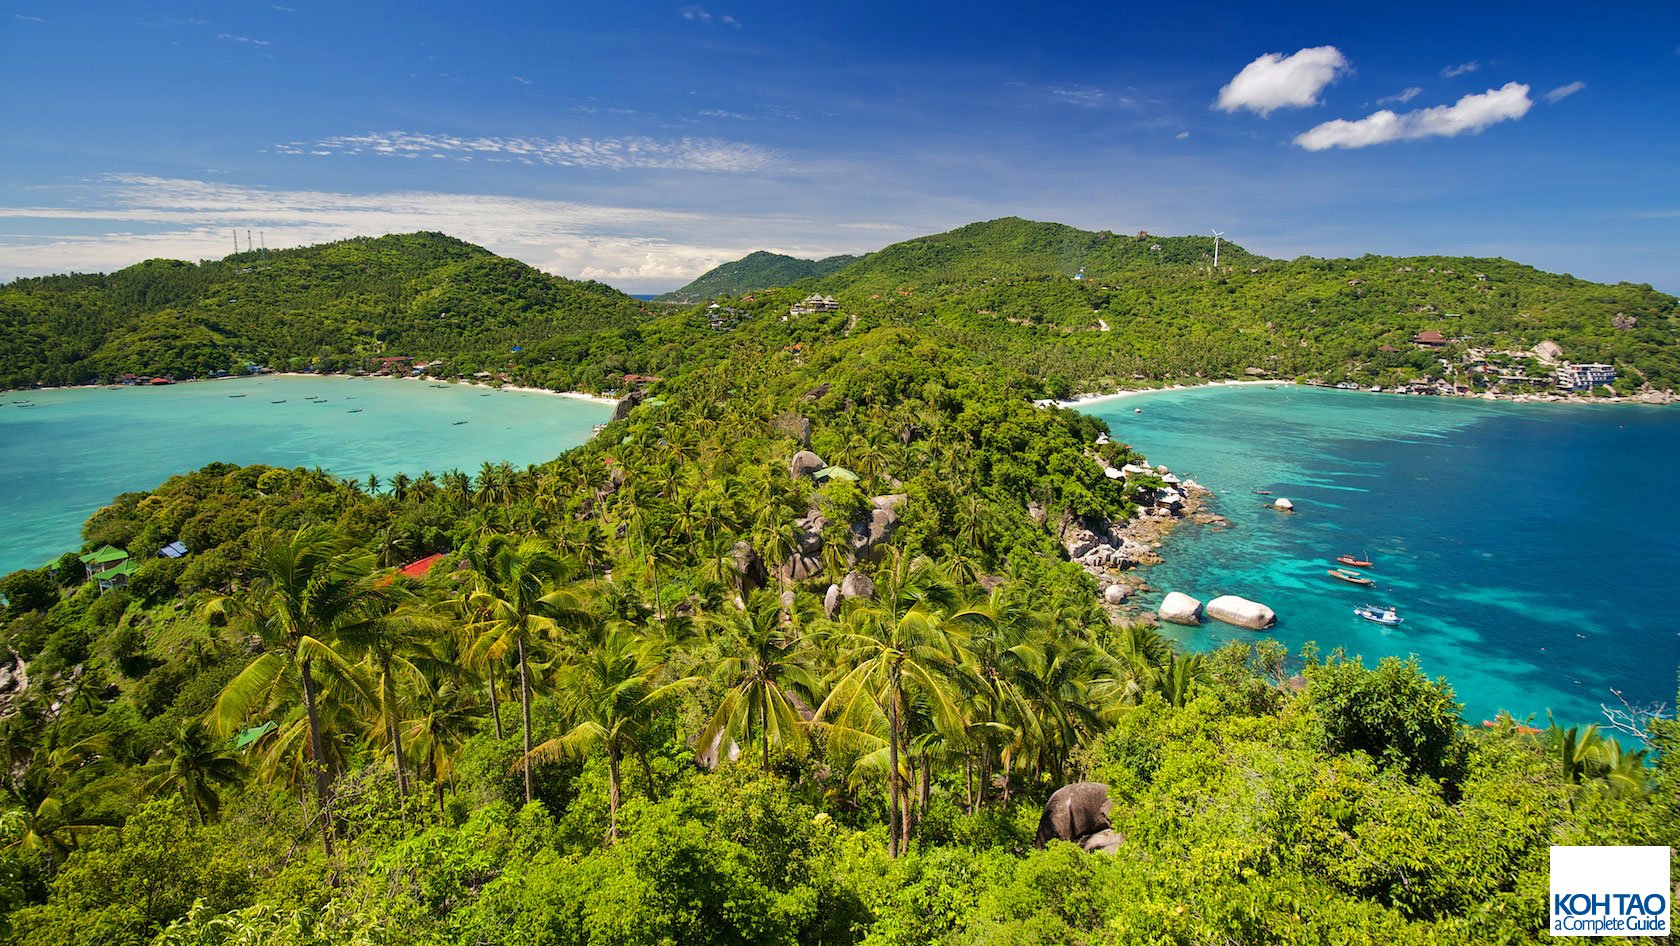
1583, 377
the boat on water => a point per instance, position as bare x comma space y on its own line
1261, 492
1350, 576
1137, 410
354, 410
238, 395
281, 401
1355, 562
457, 423
1386, 615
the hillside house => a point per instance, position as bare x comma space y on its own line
110, 566
1429, 339
814, 304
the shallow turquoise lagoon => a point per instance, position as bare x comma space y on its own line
1531, 548
72, 451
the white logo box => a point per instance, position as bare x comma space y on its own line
1610, 891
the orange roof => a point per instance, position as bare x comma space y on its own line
420, 568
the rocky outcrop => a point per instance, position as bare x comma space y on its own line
627, 404
1116, 594
857, 585
805, 463
796, 425
1241, 612
1078, 813
747, 564
1283, 504
1180, 608
873, 531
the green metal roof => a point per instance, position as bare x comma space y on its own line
126, 568
833, 473
109, 553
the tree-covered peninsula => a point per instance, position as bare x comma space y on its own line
793, 651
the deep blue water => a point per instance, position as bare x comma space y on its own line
1531, 548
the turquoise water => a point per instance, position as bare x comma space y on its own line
1531, 548
63, 458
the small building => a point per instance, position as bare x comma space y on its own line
174, 549
1429, 339
814, 304
110, 566
1582, 377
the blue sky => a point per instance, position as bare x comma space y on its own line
641, 144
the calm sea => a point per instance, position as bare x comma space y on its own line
1531, 548
70, 453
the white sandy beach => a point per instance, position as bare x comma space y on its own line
1088, 399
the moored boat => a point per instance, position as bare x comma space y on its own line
1355, 562
1350, 576
1386, 615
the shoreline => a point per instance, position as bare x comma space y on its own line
1088, 399
1650, 399
522, 389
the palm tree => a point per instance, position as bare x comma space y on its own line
397, 645
448, 717
767, 659
611, 694
193, 764
309, 591
899, 647
519, 607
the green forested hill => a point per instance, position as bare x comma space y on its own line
760, 270
1151, 309
336, 305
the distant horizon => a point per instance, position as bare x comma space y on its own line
1318, 130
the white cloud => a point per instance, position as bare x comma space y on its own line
617, 154
724, 113
26, 19
694, 13
1469, 115
1401, 97
637, 249
1452, 72
1276, 81
285, 9
1564, 91
1182, 135
522, 80
231, 38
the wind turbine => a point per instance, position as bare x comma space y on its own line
1216, 235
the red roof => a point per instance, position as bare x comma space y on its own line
420, 568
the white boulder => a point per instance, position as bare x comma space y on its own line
1283, 504
1180, 608
1241, 612
1116, 594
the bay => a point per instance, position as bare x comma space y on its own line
73, 450
1531, 548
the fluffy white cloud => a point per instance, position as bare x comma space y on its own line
1564, 91
617, 154
1401, 97
636, 249
1468, 115
1277, 81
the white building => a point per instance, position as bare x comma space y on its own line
1582, 377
